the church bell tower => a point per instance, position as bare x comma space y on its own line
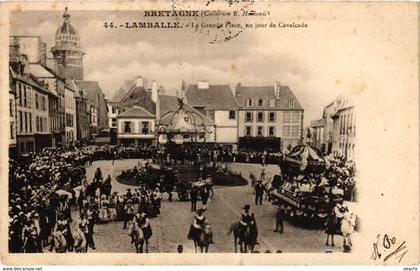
67, 53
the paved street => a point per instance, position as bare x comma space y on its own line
171, 227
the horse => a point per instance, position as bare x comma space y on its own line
344, 226
244, 237
80, 242
347, 229
137, 236
58, 241
202, 239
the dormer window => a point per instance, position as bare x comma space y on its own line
291, 102
249, 102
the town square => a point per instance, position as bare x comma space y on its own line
189, 166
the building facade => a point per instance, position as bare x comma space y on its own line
217, 103
336, 131
32, 109
70, 113
317, 128
344, 129
269, 117
12, 115
82, 118
56, 86
113, 112
94, 131
97, 100
136, 126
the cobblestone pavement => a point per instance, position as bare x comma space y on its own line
171, 227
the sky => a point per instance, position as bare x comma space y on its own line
317, 63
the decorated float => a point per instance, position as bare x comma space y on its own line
306, 187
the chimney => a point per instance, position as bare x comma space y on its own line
140, 82
203, 85
24, 62
155, 92
277, 88
155, 98
237, 89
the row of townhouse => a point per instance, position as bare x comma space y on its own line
254, 118
336, 131
45, 109
50, 102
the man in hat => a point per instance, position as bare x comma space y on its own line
194, 197
259, 192
248, 220
199, 224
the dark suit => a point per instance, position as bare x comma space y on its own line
259, 192
193, 196
280, 215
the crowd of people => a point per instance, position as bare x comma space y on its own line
184, 154
45, 187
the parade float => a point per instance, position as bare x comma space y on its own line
307, 188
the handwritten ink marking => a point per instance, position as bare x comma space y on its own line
376, 254
395, 252
386, 243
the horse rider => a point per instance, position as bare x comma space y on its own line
338, 214
63, 226
199, 224
141, 221
248, 220
128, 212
339, 211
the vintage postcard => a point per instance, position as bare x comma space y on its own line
209, 132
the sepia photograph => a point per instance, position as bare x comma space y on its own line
173, 129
